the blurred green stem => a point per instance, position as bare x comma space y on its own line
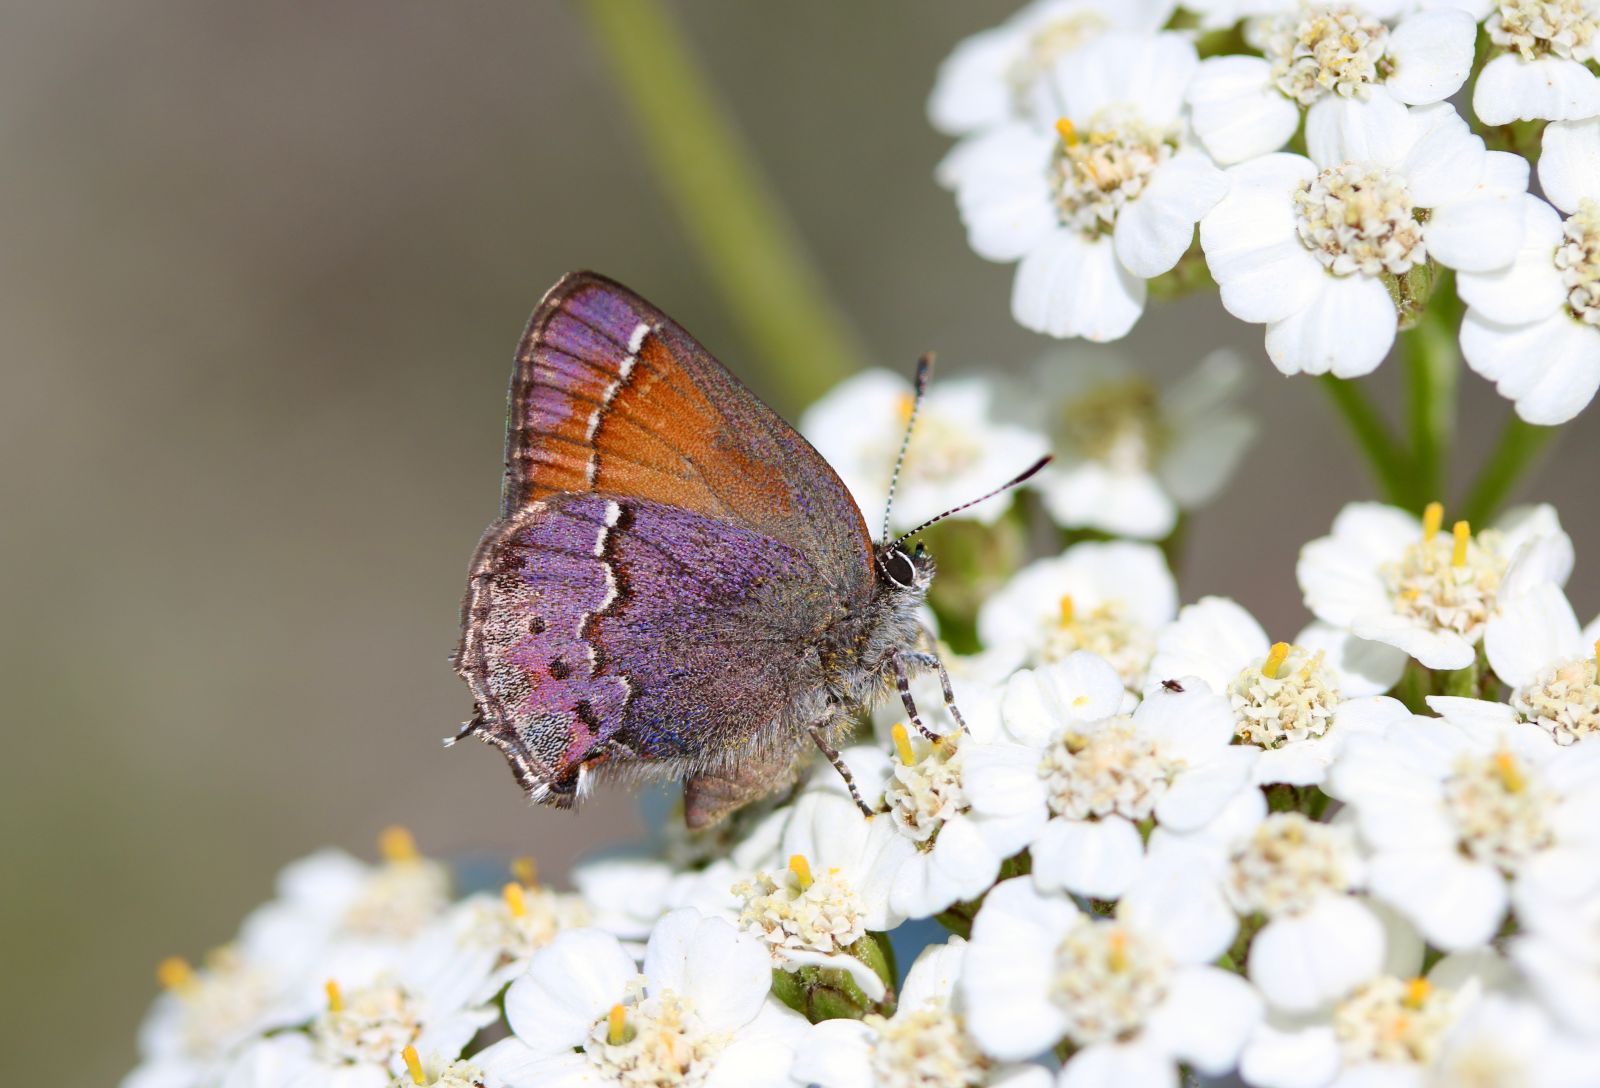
1519, 447
737, 226
1387, 460
1433, 363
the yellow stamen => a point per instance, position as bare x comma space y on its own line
1417, 991
1117, 960
1273, 665
335, 996
174, 973
1066, 610
801, 868
1509, 772
414, 1065
1463, 532
1432, 519
516, 901
396, 844
908, 404
1067, 131
616, 1024
902, 743
526, 870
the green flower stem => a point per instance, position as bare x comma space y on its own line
1519, 447
1433, 364
737, 227
1389, 463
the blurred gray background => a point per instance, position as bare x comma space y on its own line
262, 270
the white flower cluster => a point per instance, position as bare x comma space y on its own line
1316, 148
1163, 844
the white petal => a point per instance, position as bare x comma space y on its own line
761, 1055
1447, 163
1118, 1065
1251, 246
1097, 858
1305, 1058
1434, 649
934, 974
1549, 368
1004, 196
1363, 667
1176, 900
1535, 630
1193, 725
1510, 89
1301, 963
1068, 286
511, 1063
1206, 1018
1530, 288
726, 973
1005, 984
1214, 639
1432, 55
1339, 573
1569, 163
1454, 902
1346, 329
1350, 130
1236, 111
1155, 230
1202, 456
1093, 495
1478, 235
1152, 70
571, 983
972, 90
836, 1054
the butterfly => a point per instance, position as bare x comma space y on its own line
678, 585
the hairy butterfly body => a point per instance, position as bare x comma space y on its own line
678, 585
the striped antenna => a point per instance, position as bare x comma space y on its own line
1007, 486
920, 387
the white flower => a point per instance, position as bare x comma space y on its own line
1387, 1031
1002, 74
1540, 71
1454, 808
1134, 995
1327, 57
1533, 328
1385, 575
924, 1043
1504, 1042
1084, 774
1097, 199
1311, 246
1558, 950
958, 452
699, 1015
1319, 941
1534, 645
1131, 454
207, 1014
959, 841
1299, 703
834, 891
1107, 598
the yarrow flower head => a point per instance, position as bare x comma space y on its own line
699, 1015
1130, 455
1098, 199
1551, 665
1319, 248
1107, 598
1533, 328
1540, 70
1390, 577
1299, 701
1329, 58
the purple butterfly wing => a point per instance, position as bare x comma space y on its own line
670, 552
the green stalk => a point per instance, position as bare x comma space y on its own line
738, 229
1389, 463
1519, 447
1433, 364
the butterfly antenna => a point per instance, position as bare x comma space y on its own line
1007, 486
920, 387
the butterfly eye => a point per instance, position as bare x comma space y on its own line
898, 566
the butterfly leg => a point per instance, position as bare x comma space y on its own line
902, 683
819, 735
921, 660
